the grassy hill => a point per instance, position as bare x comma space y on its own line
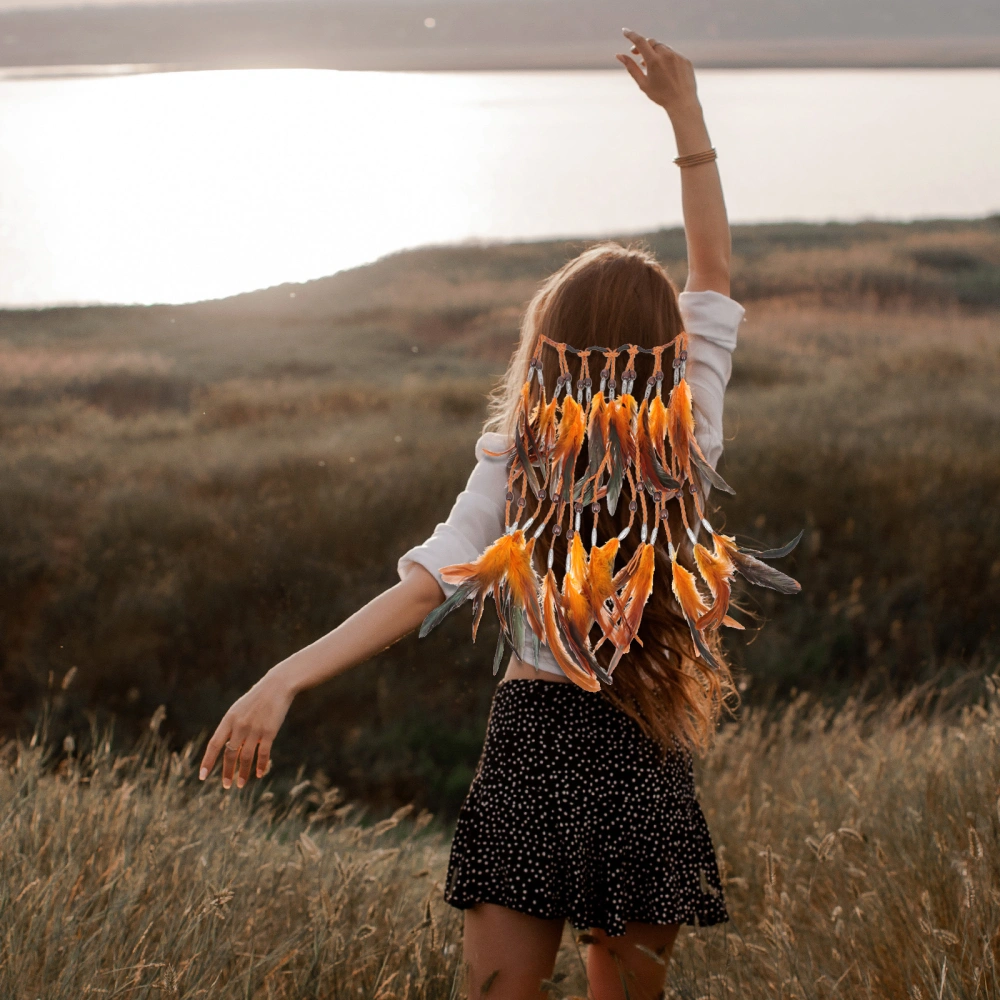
191, 493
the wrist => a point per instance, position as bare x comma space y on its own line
690, 134
284, 679
687, 110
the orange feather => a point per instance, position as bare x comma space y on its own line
680, 428
569, 441
506, 562
725, 544
601, 585
658, 429
686, 591
623, 413
523, 582
578, 673
652, 471
643, 446
545, 424
488, 568
625, 573
633, 599
717, 571
576, 598
599, 417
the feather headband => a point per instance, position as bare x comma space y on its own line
648, 446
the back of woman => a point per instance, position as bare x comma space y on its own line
583, 803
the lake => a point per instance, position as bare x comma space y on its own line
174, 187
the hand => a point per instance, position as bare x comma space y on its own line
668, 79
250, 724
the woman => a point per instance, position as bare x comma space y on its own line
583, 803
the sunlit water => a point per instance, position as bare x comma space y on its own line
181, 186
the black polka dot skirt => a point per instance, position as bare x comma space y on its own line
573, 812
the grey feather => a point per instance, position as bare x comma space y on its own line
443, 610
763, 575
708, 473
517, 629
498, 655
779, 553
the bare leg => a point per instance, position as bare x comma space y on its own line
615, 965
509, 953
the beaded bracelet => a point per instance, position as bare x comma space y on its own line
694, 159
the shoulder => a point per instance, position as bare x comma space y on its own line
711, 315
491, 441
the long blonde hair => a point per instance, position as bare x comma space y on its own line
612, 295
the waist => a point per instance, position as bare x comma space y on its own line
517, 669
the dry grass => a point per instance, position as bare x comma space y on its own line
860, 851
119, 876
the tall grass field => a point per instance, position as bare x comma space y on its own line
858, 849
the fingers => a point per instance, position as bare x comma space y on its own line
661, 47
215, 745
236, 738
641, 43
246, 760
234, 748
634, 71
264, 757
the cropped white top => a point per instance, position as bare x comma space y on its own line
477, 518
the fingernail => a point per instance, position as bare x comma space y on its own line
240, 782
226, 782
203, 774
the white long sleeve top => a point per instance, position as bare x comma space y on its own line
477, 518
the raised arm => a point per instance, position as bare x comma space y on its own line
667, 78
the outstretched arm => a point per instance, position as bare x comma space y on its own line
669, 81
254, 720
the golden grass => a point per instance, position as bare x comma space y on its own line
120, 877
860, 851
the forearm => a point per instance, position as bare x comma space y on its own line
372, 628
706, 224
253, 720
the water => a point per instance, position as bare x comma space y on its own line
173, 187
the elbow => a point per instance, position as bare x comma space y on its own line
422, 589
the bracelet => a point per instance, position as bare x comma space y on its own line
694, 159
